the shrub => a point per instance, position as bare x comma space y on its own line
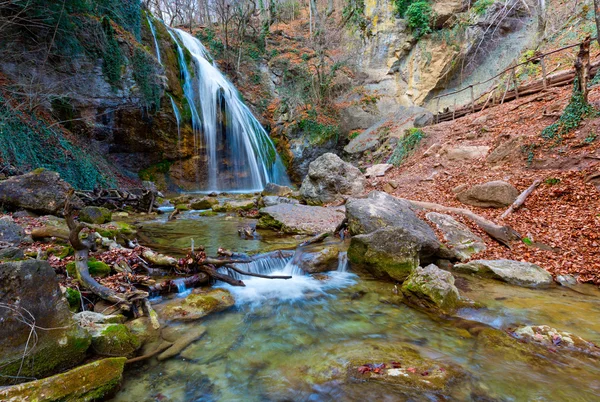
481, 6
406, 145
418, 16
574, 113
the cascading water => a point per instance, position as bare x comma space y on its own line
236, 151
177, 114
153, 30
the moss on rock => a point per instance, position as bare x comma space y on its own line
96, 268
114, 340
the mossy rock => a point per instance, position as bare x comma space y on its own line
431, 288
95, 215
197, 305
182, 207
91, 382
208, 213
232, 206
96, 268
114, 340
73, 298
203, 203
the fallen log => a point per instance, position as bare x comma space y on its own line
502, 234
521, 199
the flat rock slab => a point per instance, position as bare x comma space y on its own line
493, 194
378, 170
465, 153
514, 272
461, 240
301, 219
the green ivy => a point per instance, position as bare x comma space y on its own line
318, 133
147, 79
400, 6
481, 6
406, 145
112, 58
574, 113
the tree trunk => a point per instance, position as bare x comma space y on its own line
582, 67
597, 12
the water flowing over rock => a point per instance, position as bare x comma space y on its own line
300, 219
460, 239
494, 194
330, 179
555, 339
30, 295
226, 128
41, 191
100, 379
431, 288
514, 272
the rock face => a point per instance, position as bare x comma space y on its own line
330, 179
494, 194
300, 219
10, 233
41, 191
460, 239
100, 379
32, 285
389, 253
431, 288
96, 215
197, 305
514, 272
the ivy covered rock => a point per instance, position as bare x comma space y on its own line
40, 191
90, 382
96, 215
31, 287
431, 288
113, 340
197, 305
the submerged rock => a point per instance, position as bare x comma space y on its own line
514, 272
197, 305
96, 215
460, 239
300, 219
181, 339
41, 191
555, 339
30, 289
431, 288
330, 179
494, 194
90, 382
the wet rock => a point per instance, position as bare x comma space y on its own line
300, 219
143, 329
96, 215
113, 340
317, 259
460, 239
465, 153
10, 233
31, 287
181, 341
381, 210
270, 200
431, 288
11, 254
272, 189
90, 382
41, 191
494, 194
203, 203
89, 318
389, 253
330, 179
378, 170
514, 272
555, 339
566, 280
197, 305
235, 205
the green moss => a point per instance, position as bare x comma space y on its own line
208, 213
268, 222
112, 58
74, 298
182, 207
96, 268
146, 75
151, 173
115, 340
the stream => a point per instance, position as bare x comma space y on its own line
287, 339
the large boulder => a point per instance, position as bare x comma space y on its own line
494, 194
514, 272
431, 288
11, 234
203, 203
390, 253
300, 219
317, 258
96, 215
41, 191
30, 294
330, 179
270, 200
92, 382
458, 236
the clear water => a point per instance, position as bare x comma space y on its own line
153, 30
236, 151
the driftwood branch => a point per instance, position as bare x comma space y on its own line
521, 199
502, 234
316, 239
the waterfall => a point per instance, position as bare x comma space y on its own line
236, 152
177, 114
153, 30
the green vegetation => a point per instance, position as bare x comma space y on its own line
150, 173
209, 38
73, 298
406, 145
353, 14
481, 6
28, 142
529, 151
96, 268
146, 76
112, 58
418, 16
551, 181
400, 6
574, 113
